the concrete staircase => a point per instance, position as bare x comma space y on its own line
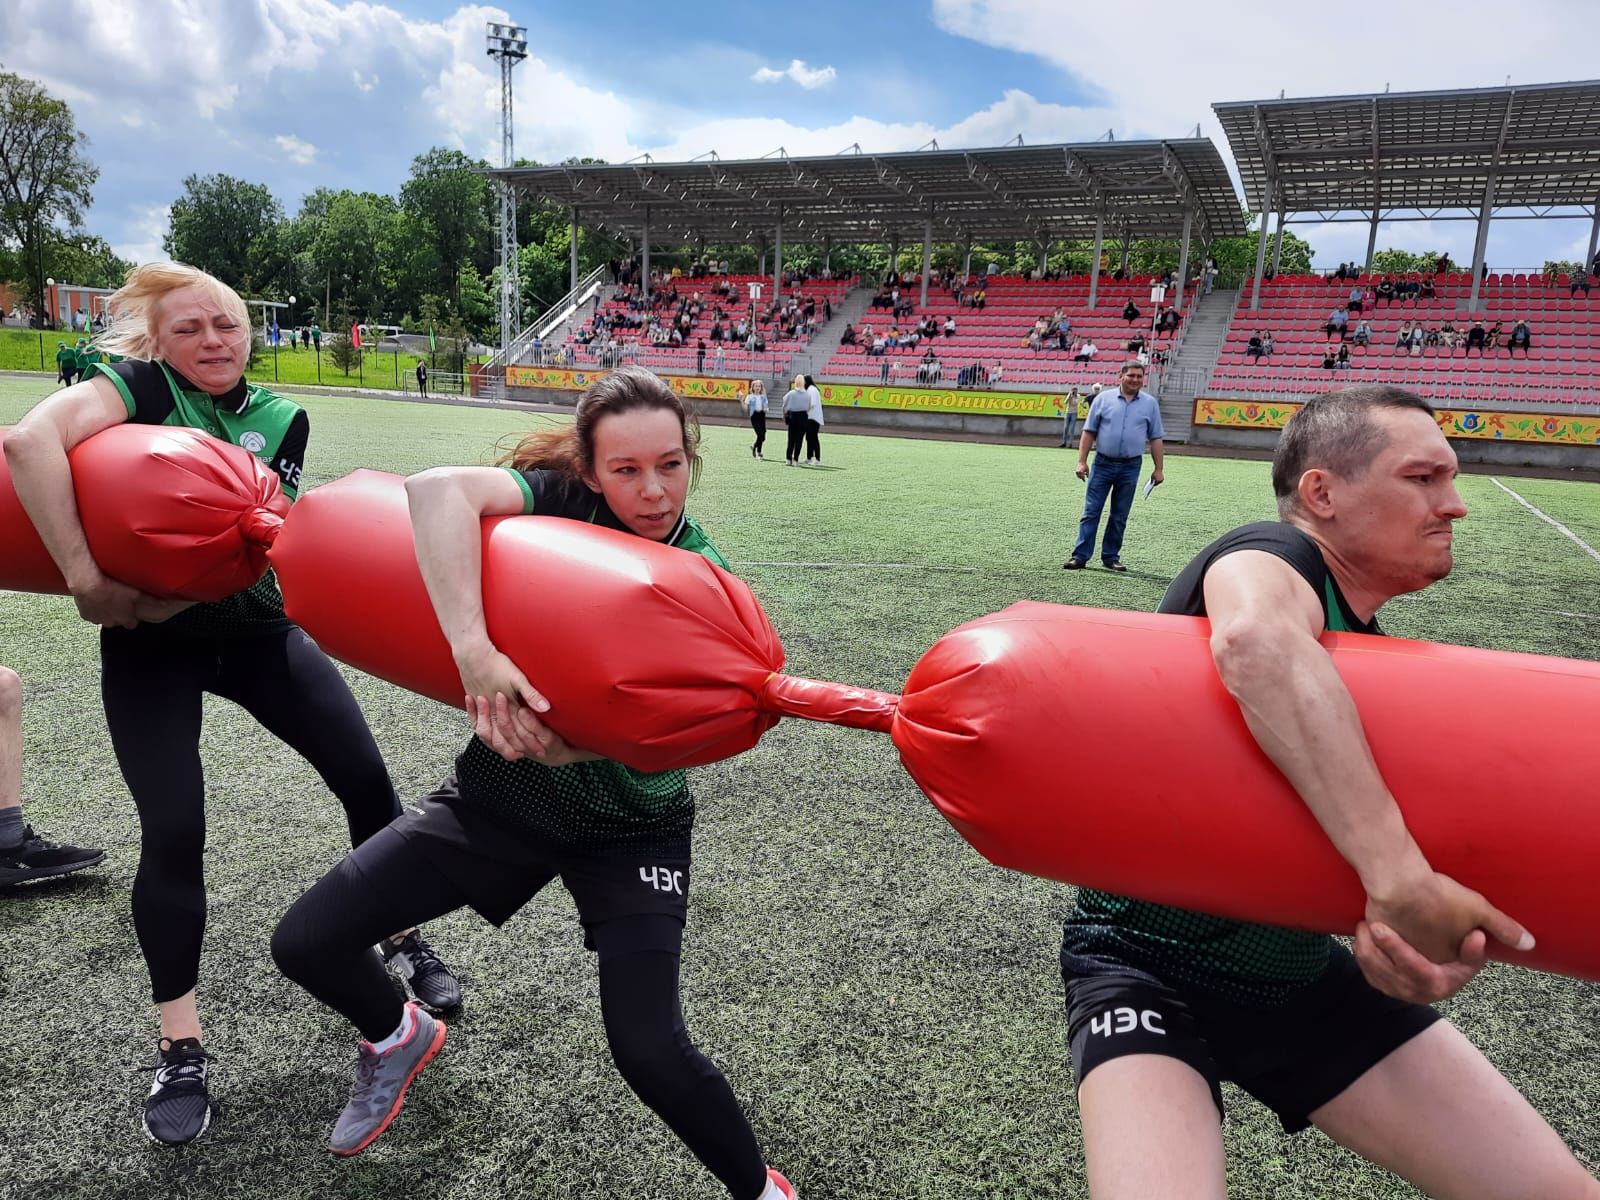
1189, 372
851, 308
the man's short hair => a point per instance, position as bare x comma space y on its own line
1335, 432
1132, 363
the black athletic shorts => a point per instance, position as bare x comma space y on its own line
1293, 1057
499, 867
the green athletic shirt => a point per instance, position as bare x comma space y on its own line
275, 430
590, 807
66, 358
1259, 965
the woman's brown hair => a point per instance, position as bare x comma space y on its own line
571, 449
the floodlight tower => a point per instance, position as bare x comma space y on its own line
508, 45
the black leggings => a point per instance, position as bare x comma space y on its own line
813, 440
324, 943
796, 421
758, 422
151, 683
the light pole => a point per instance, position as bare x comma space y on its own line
39, 316
507, 45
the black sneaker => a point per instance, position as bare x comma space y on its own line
1072, 564
417, 969
37, 857
178, 1109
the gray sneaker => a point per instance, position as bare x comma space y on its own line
381, 1083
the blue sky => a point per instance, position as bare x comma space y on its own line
299, 94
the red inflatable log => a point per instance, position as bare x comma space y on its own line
1161, 792
171, 511
648, 655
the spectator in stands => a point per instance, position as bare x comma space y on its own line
1430, 337
1267, 347
1402, 340
997, 374
848, 337
1428, 291
1520, 338
885, 370
700, 357
1448, 336
1362, 335
1419, 337
1256, 346
1477, 336
1384, 293
1329, 359
950, 326
1170, 320
1443, 265
1131, 313
1338, 320
1342, 274
1492, 338
1032, 340
1136, 344
719, 360
1342, 363
1411, 289
1358, 296
980, 298
1580, 279
1086, 352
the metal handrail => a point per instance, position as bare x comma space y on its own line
553, 317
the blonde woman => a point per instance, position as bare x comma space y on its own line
755, 407
186, 339
796, 404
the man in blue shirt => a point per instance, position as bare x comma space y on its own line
1122, 422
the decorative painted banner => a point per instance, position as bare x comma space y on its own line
1482, 424
568, 379
945, 400
911, 399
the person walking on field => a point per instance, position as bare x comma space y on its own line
1121, 424
422, 378
796, 403
755, 407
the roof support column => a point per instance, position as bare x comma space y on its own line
574, 286
777, 259
1044, 258
1277, 243
827, 252
1594, 237
1094, 263
1261, 247
894, 254
927, 254
1127, 246
966, 261
1183, 258
644, 257
1481, 244
1372, 242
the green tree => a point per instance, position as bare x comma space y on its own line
86, 259
1401, 261
343, 352
218, 222
445, 201
348, 250
45, 178
478, 311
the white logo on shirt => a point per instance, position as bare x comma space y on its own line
253, 441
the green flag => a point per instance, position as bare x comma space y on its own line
432, 345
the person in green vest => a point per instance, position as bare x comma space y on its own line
1164, 1004
186, 336
66, 364
79, 349
88, 355
316, 337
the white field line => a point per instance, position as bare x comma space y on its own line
829, 566
1549, 520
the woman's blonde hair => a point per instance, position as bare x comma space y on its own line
135, 306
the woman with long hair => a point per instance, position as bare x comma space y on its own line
755, 407
523, 807
814, 421
186, 338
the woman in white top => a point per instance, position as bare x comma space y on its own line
755, 407
814, 423
796, 402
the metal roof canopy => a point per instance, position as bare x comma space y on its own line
1038, 193
1420, 155
1528, 152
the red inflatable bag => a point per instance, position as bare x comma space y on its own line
168, 510
648, 655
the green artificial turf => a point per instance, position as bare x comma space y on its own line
886, 1005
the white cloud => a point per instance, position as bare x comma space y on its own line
365, 83
144, 230
297, 151
797, 72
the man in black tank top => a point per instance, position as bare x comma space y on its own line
1163, 1004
